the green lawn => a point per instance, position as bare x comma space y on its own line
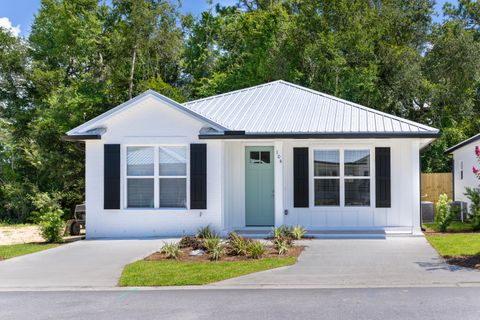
15, 250
456, 244
455, 226
177, 273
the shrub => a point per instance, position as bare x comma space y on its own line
206, 233
217, 252
237, 244
255, 249
473, 194
443, 213
281, 246
298, 232
193, 242
52, 225
276, 233
211, 243
171, 250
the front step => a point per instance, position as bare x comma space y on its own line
330, 234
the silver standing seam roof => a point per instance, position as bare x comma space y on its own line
282, 108
276, 109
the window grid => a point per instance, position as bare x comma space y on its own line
157, 177
342, 177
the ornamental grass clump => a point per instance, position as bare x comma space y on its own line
255, 249
206, 233
443, 213
237, 244
214, 247
298, 232
281, 246
171, 250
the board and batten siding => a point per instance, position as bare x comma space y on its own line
465, 154
152, 123
404, 210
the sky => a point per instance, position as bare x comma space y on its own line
18, 15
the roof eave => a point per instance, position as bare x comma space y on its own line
462, 144
359, 135
81, 137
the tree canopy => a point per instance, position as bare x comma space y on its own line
84, 57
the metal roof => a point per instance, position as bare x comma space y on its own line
463, 143
282, 108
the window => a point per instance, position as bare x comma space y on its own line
157, 177
334, 175
327, 177
357, 178
259, 157
461, 170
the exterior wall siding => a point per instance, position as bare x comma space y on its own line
405, 184
467, 155
153, 124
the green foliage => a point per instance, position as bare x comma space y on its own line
473, 194
190, 242
171, 250
217, 252
297, 232
238, 245
52, 225
15, 250
281, 245
255, 249
211, 243
83, 57
206, 233
443, 213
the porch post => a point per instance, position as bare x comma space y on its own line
278, 168
416, 170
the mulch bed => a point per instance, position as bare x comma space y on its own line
465, 261
184, 255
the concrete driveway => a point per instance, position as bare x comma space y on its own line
351, 263
90, 263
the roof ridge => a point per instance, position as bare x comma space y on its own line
231, 92
381, 113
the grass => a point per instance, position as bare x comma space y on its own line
14, 250
451, 245
177, 273
15, 225
455, 226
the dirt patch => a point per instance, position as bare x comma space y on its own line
17, 235
270, 252
472, 262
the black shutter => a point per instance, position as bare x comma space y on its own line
382, 178
111, 176
300, 177
198, 176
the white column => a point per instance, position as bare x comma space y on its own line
415, 176
278, 166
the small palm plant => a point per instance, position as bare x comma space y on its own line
238, 244
171, 250
298, 232
255, 249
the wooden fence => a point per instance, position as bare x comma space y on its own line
434, 184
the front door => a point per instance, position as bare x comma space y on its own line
259, 186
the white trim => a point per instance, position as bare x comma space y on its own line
156, 177
134, 101
341, 177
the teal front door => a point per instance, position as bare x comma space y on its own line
259, 186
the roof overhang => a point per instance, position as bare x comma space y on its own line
462, 144
94, 134
358, 135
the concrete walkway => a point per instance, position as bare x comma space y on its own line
349, 263
95, 263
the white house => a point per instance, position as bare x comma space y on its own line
464, 159
264, 156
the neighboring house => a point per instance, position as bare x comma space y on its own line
464, 159
250, 159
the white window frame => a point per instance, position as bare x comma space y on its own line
342, 177
156, 177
